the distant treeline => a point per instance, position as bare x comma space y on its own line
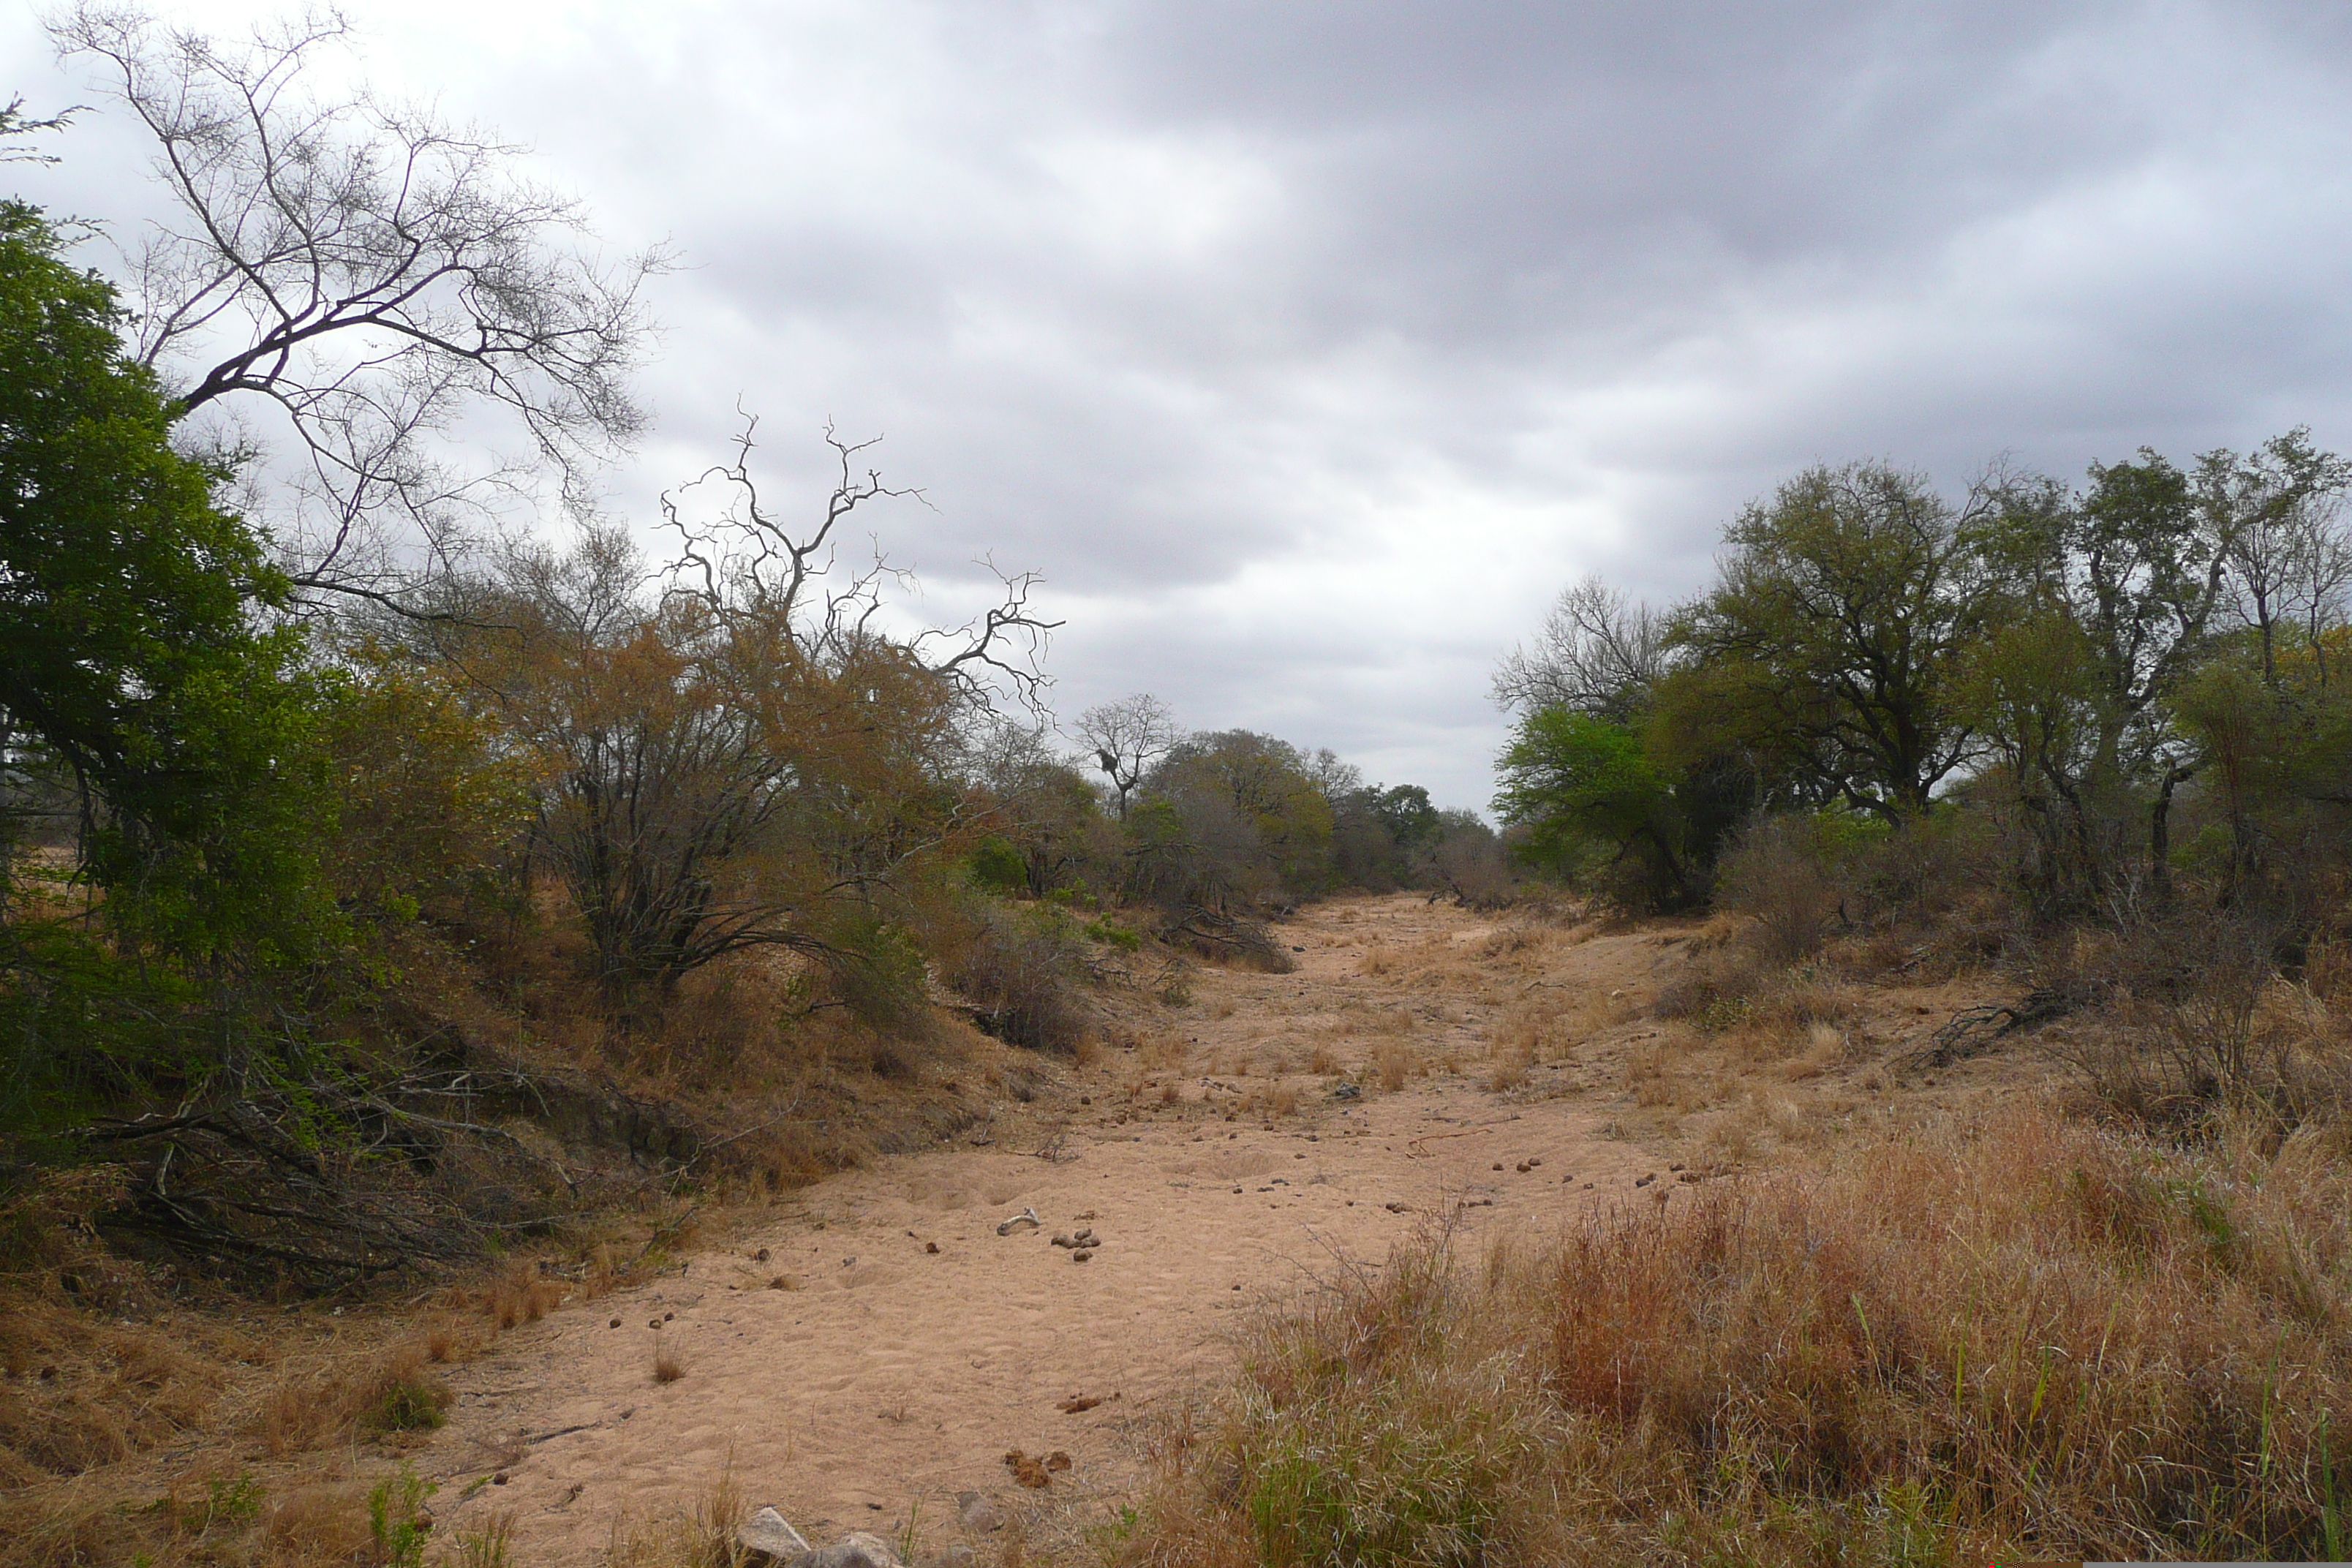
2139, 678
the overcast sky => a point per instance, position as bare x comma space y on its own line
1309, 349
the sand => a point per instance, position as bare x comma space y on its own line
890, 1377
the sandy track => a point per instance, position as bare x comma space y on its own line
893, 1377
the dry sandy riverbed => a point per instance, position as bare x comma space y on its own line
890, 1376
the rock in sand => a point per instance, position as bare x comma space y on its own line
770, 1533
856, 1550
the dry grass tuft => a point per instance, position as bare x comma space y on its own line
450, 1338
1164, 1050
1320, 1059
701, 1537
1357, 1017
1509, 1071
2023, 1339
326, 1400
1394, 1061
521, 1294
669, 1362
1278, 1099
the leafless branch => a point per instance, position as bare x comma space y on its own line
363, 277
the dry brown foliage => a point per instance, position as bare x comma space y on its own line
2024, 1339
1394, 1061
699, 1536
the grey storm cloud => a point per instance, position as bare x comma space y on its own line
1309, 349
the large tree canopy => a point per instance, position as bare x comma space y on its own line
1842, 618
138, 694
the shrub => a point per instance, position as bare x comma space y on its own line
1022, 973
1114, 935
2202, 1020
397, 1519
407, 1404
879, 973
997, 866
1773, 872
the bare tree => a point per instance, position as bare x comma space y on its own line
744, 568
734, 751
362, 277
1599, 653
1127, 737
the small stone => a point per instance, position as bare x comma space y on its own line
1058, 1460
1498, 1164
761, 1256
667, 1316
1524, 1167
613, 1324
931, 1247
957, 1556
1645, 1181
1398, 1209
977, 1514
1064, 1238
654, 1324
499, 1480
769, 1532
854, 1550
1081, 1255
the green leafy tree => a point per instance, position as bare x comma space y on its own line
161, 792
1578, 785
2106, 601
1844, 614
138, 688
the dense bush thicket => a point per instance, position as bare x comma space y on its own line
2105, 731
2143, 676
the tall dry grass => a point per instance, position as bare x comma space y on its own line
2027, 1339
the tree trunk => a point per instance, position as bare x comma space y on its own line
2159, 838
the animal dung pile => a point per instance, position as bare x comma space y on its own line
1036, 1472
